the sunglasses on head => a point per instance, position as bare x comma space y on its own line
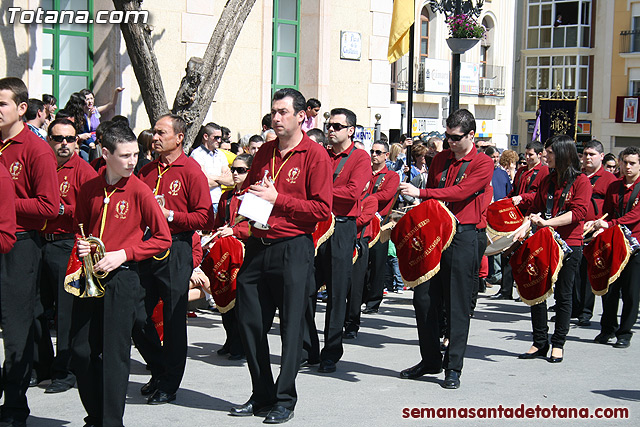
336, 126
454, 138
240, 170
60, 138
378, 152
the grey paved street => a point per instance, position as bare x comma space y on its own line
366, 390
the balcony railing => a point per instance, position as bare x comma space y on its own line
493, 82
630, 41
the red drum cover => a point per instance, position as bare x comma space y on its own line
420, 238
72, 278
323, 231
221, 266
503, 217
374, 227
607, 255
354, 257
536, 265
157, 317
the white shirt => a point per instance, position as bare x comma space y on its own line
211, 163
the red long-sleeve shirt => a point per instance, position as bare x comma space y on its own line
577, 202
71, 176
230, 202
600, 181
523, 186
131, 209
32, 166
350, 182
369, 207
460, 197
386, 190
611, 206
7, 212
303, 181
185, 191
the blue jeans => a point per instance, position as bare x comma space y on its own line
393, 279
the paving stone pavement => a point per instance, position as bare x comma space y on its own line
366, 390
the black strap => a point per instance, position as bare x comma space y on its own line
342, 162
461, 172
533, 178
593, 181
377, 184
552, 188
632, 199
227, 208
365, 226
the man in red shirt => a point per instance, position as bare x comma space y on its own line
59, 238
525, 186
621, 203
117, 208
7, 212
600, 179
457, 176
187, 207
279, 259
32, 167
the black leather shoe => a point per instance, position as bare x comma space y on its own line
237, 357
351, 335
10, 422
451, 380
603, 338
250, 408
584, 322
417, 371
278, 415
370, 311
149, 388
326, 367
541, 352
34, 381
308, 362
554, 359
622, 343
159, 397
57, 386
499, 296
223, 351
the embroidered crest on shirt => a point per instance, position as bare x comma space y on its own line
15, 169
174, 187
122, 209
293, 174
64, 187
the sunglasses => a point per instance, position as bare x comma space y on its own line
336, 126
240, 170
454, 138
60, 138
216, 138
377, 152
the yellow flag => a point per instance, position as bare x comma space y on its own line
401, 21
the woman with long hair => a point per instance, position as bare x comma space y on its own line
570, 192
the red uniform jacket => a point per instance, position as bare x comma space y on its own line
386, 191
227, 213
525, 186
7, 212
612, 206
600, 181
350, 182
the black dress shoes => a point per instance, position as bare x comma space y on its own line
159, 397
326, 367
451, 380
237, 357
500, 296
57, 386
554, 359
370, 311
584, 322
622, 343
603, 338
250, 408
351, 335
149, 388
223, 351
278, 415
418, 370
542, 352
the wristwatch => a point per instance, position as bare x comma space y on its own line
170, 217
61, 210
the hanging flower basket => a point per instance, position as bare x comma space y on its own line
460, 46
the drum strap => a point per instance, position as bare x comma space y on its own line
227, 208
463, 168
632, 199
377, 185
552, 188
342, 162
361, 235
533, 178
593, 180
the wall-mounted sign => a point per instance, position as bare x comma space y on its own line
420, 125
469, 78
350, 45
436, 75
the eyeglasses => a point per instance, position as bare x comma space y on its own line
454, 138
240, 170
377, 152
336, 126
60, 138
216, 138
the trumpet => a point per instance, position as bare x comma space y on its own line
93, 288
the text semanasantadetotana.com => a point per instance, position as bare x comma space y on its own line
521, 411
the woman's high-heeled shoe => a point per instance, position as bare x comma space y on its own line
553, 359
542, 352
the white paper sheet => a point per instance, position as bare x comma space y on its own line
255, 208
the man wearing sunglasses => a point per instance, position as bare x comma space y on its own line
58, 239
458, 176
351, 172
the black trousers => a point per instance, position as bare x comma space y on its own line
506, 286
377, 262
563, 295
166, 279
333, 268
272, 277
55, 256
454, 284
101, 346
233, 343
583, 297
354, 298
482, 245
629, 284
19, 269
310, 340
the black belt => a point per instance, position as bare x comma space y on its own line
129, 265
465, 227
345, 218
185, 236
481, 230
22, 235
50, 237
268, 242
